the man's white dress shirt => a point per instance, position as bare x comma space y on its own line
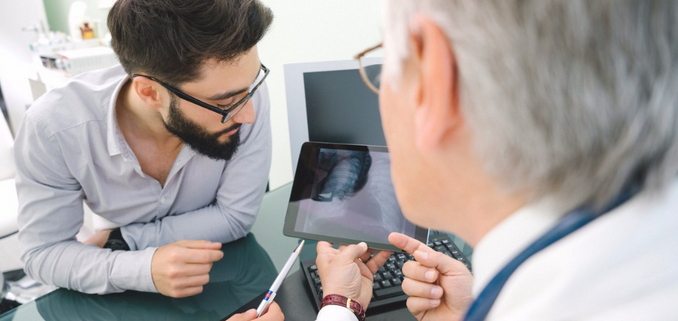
70, 149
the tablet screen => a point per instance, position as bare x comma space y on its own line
344, 194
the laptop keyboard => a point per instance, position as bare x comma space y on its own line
387, 287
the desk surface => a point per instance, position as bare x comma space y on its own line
237, 283
245, 272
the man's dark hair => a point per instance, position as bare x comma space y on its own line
171, 39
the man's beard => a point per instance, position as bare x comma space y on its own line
199, 139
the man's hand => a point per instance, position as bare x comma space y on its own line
273, 314
180, 269
99, 238
438, 285
348, 270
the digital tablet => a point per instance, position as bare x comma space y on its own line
343, 194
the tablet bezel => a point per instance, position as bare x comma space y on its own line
309, 154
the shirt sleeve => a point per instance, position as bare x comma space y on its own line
51, 214
335, 313
238, 198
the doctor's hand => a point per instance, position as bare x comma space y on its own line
273, 314
348, 270
438, 285
180, 269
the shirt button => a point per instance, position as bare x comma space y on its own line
162, 200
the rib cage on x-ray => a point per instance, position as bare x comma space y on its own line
346, 172
354, 198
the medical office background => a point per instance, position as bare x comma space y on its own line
302, 31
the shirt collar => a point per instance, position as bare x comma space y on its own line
116, 141
511, 236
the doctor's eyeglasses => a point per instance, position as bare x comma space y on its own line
371, 74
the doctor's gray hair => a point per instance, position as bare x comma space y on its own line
571, 97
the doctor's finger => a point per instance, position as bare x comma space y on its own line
418, 305
416, 271
352, 252
366, 257
419, 289
273, 313
324, 247
378, 260
407, 243
439, 261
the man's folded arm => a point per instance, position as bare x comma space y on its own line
51, 214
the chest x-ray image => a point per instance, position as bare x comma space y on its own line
353, 197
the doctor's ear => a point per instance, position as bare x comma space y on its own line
437, 112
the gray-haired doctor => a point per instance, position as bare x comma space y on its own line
545, 134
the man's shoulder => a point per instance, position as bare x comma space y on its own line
614, 261
84, 98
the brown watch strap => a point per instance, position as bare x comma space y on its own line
352, 305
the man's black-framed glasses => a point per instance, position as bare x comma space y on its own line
225, 111
371, 75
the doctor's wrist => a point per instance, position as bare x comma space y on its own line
350, 304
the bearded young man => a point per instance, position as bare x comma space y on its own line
545, 134
173, 147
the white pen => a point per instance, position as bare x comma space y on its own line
268, 298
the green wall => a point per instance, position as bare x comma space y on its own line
57, 13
